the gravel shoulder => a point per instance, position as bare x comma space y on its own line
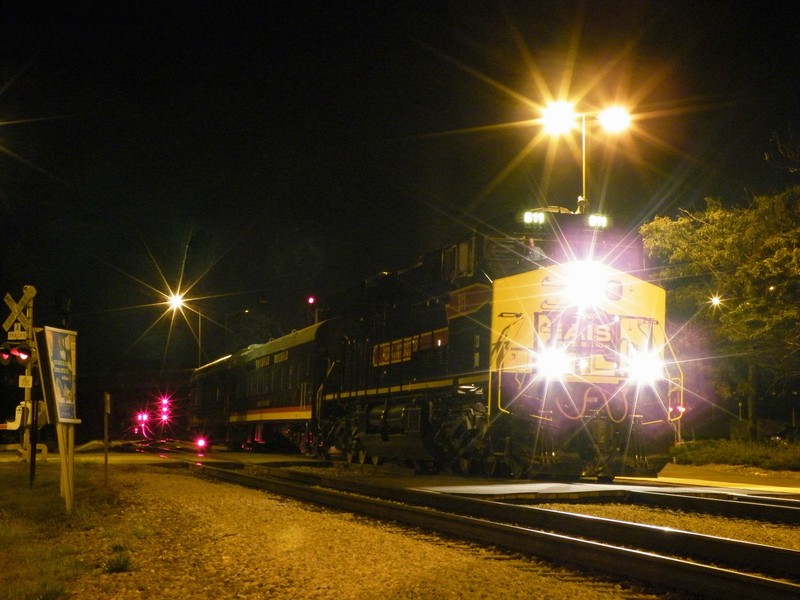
188, 537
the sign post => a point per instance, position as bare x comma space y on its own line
106, 413
62, 357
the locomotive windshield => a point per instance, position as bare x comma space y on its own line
509, 256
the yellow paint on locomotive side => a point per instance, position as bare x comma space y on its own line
273, 414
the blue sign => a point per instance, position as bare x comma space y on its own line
62, 354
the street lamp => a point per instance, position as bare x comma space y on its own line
176, 301
560, 117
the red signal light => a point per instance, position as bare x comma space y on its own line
21, 353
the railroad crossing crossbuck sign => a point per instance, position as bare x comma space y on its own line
18, 319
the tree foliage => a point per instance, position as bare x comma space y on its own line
750, 258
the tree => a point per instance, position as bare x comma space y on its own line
786, 156
749, 259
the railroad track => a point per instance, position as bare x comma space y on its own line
659, 558
770, 509
755, 508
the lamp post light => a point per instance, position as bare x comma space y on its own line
560, 117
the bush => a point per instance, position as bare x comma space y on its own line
737, 452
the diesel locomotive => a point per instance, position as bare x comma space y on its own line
535, 348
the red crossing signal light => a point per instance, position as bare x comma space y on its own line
21, 353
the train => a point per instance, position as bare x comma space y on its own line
534, 348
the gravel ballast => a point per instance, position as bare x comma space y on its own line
191, 538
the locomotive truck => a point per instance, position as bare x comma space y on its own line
533, 349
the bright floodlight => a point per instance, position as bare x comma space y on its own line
614, 119
559, 117
584, 283
175, 301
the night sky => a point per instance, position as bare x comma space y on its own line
276, 149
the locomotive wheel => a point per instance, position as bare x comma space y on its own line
490, 464
465, 464
351, 456
516, 467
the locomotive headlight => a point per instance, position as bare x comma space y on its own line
585, 283
645, 368
553, 363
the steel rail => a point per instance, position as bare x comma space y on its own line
744, 507
628, 564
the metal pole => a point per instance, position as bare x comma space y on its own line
583, 152
106, 413
33, 405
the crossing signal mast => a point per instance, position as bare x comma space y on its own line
21, 346
21, 350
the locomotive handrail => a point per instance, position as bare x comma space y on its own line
675, 382
498, 373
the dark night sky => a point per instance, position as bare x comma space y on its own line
283, 148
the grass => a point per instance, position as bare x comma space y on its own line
119, 562
39, 560
785, 457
